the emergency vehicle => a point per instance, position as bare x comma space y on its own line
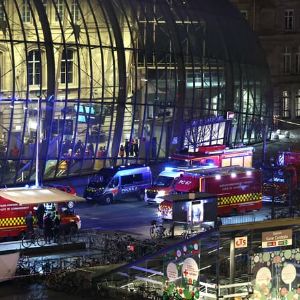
238, 189
165, 182
217, 155
284, 177
115, 183
15, 204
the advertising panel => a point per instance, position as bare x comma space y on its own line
181, 272
275, 275
277, 238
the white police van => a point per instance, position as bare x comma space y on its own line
114, 183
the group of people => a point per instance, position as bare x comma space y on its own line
131, 148
79, 150
48, 221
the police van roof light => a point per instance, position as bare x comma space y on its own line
168, 169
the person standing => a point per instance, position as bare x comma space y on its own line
127, 148
56, 226
131, 145
29, 223
136, 147
40, 215
48, 228
122, 152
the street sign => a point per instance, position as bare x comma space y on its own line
240, 242
277, 238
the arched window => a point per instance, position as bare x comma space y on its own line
34, 67
60, 8
26, 14
75, 11
2, 15
67, 61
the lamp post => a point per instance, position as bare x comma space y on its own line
37, 144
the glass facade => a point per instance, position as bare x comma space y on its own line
153, 76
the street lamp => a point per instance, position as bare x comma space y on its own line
37, 143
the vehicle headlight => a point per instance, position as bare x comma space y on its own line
161, 193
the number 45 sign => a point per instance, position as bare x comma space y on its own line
240, 242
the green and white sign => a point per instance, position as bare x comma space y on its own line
181, 270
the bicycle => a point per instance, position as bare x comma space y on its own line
66, 234
158, 231
32, 239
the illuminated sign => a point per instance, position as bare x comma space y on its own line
277, 238
241, 242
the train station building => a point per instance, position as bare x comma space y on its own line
82, 78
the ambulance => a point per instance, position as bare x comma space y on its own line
238, 189
15, 204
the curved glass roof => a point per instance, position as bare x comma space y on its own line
153, 76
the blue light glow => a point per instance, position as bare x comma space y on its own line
168, 169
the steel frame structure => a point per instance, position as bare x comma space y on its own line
117, 70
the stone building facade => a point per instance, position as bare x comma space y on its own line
78, 79
277, 24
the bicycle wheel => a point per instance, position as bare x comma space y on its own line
152, 232
74, 234
26, 241
185, 235
40, 240
160, 233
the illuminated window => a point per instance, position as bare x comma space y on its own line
286, 61
60, 9
297, 104
75, 11
34, 67
2, 15
45, 4
289, 19
297, 61
285, 104
244, 13
26, 15
66, 73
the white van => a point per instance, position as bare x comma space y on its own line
162, 186
165, 182
114, 183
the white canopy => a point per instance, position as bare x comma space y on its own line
36, 195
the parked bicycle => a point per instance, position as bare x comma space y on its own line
32, 239
189, 232
158, 231
66, 234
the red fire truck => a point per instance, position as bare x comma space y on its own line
284, 177
217, 155
207, 157
238, 189
15, 204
